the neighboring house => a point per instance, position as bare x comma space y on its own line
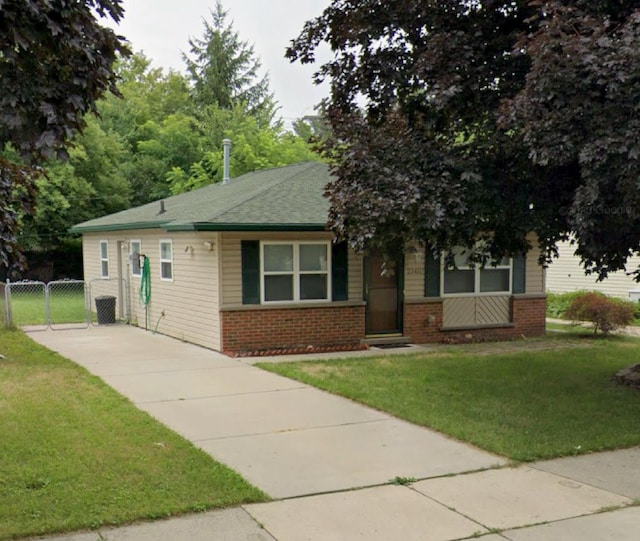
249, 265
565, 274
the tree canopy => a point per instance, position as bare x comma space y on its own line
154, 135
452, 120
55, 64
150, 142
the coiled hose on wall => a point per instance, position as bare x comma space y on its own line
144, 294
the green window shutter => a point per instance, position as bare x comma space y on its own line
519, 274
250, 250
340, 271
431, 275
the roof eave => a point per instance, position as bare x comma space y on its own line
116, 227
199, 226
209, 226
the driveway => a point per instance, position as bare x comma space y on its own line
285, 437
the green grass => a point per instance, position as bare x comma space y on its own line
555, 398
75, 454
569, 328
65, 306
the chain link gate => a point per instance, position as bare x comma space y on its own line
64, 304
67, 305
26, 304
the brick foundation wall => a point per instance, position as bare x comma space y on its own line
529, 314
249, 330
423, 322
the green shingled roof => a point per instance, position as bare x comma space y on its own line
279, 199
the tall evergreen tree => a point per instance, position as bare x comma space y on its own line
224, 69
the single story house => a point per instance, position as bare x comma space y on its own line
565, 274
249, 265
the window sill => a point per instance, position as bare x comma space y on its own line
290, 306
506, 325
475, 295
423, 300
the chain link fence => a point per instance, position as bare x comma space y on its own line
63, 304
26, 304
3, 306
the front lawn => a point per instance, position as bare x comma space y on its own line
75, 454
525, 400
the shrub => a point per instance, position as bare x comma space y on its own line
557, 303
606, 313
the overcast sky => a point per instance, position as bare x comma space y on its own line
162, 28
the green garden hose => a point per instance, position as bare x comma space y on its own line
144, 294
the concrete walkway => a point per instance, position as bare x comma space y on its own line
311, 450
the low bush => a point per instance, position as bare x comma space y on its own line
557, 303
606, 313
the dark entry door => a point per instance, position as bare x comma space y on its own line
382, 295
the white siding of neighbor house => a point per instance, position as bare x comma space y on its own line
231, 283
565, 274
190, 302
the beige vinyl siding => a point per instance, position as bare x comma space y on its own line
565, 274
91, 255
356, 270
458, 312
231, 265
493, 310
535, 274
98, 286
480, 310
190, 302
414, 272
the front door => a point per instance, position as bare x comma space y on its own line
382, 295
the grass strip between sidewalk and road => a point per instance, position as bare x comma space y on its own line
523, 402
75, 454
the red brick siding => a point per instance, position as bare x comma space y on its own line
529, 315
423, 323
248, 330
251, 330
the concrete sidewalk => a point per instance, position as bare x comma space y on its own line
309, 450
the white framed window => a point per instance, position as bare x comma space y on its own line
295, 272
462, 278
104, 258
166, 260
135, 250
